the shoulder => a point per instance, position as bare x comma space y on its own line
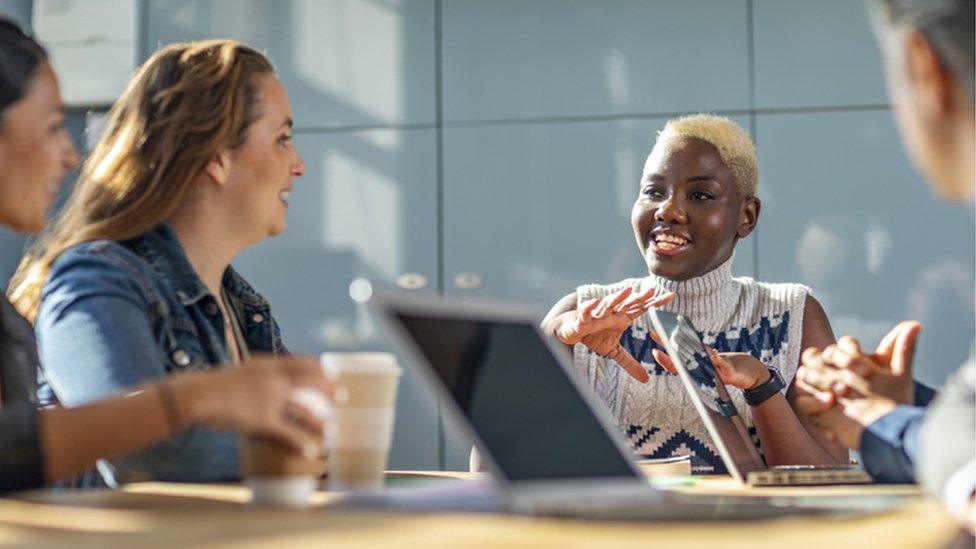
101, 267
769, 300
99, 255
782, 307
816, 328
786, 294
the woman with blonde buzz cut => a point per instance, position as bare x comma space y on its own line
696, 200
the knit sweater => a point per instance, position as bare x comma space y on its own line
732, 315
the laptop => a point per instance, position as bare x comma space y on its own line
545, 439
726, 427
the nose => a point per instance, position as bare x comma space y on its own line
70, 158
298, 167
670, 210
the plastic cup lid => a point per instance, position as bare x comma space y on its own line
368, 363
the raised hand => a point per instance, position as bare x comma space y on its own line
886, 373
615, 313
740, 370
598, 324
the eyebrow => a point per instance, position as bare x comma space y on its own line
288, 122
701, 178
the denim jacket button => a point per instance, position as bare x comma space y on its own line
211, 309
258, 318
181, 357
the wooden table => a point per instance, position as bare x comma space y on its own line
160, 514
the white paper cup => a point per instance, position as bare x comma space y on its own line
293, 491
359, 430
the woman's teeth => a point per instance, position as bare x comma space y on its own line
671, 241
284, 195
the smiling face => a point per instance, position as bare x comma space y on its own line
263, 168
689, 213
35, 153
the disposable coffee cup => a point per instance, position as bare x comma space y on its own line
277, 474
359, 430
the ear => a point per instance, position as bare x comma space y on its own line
218, 168
931, 84
748, 216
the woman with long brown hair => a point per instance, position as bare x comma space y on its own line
38, 446
133, 280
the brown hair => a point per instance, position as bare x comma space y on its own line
185, 104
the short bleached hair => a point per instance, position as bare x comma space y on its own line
733, 144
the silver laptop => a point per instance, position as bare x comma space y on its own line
548, 443
726, 427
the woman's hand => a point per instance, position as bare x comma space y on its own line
740, 370
258, 396
598, 324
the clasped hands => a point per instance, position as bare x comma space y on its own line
599, 323
844, 389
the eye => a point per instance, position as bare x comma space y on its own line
701, 195
652, 192
57, 126
284, 138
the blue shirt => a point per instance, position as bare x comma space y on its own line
889, 446
114, 315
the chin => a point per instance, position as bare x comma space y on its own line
671, 270
28, 225
663, 269
278, 229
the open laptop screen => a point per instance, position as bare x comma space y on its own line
703, 385
517, 398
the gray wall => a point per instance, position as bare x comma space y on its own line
505, 138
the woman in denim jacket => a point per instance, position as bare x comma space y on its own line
38, 446
133, 281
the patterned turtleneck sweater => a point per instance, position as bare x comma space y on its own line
734, 315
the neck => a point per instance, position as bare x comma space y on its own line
208, 246
706, 300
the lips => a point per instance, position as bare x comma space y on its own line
669, 243
51, 189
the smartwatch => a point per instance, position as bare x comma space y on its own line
758, 395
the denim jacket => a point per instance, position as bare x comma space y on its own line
118, 314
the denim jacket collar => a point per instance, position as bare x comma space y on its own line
162, 250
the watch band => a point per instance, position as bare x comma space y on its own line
762, 393
726, 407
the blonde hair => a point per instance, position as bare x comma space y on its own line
185, 104
733, 144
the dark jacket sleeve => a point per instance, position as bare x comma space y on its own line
889, 445
924, 394
21, 466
